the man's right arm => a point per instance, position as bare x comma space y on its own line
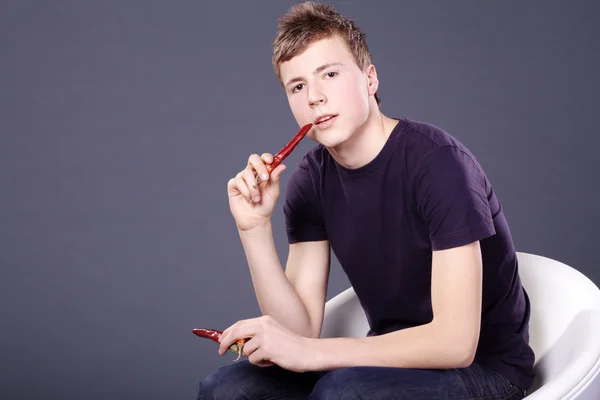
294, 297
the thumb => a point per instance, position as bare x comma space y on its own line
276, 174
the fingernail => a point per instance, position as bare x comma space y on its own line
265, 176
256, 199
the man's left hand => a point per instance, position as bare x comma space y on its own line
269, 343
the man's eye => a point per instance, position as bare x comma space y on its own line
297, 87
331, 74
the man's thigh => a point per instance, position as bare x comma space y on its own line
374, 383
243, 380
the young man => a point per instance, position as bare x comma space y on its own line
415, 224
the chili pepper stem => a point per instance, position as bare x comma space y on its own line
237, 348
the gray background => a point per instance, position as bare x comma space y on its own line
121, 123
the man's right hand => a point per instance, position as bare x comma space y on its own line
253, 205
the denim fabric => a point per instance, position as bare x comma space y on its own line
243, 380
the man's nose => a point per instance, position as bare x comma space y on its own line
316, 97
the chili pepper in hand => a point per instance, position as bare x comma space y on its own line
279, 157
215, 335
287, 149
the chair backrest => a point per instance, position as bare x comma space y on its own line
344, 316
564, 327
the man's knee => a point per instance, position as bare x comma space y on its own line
221, 384
208, 387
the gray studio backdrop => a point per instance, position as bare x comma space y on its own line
121, 122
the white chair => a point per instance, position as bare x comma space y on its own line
564, 327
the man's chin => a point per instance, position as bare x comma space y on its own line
333, 140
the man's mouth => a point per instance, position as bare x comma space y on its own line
324, 119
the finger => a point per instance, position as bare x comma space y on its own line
231, 186
236, 326
245, 329
250, 346
248, 177
267, 158
225, 342
265, 363
259, 166
276, 174
260, 358
241, 186
227, 338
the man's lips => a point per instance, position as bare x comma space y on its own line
326, 123
323, 118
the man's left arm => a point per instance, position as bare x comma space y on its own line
448, 341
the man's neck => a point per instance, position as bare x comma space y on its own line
366, 143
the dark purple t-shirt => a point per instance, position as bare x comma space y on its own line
424, 191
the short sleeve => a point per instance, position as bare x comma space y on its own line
302, 207
451, 198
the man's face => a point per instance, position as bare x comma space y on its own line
325, 80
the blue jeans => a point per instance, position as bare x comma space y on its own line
243, 380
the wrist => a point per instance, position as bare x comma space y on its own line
316, 356
262, 228
327, 354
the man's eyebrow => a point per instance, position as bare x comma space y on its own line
316, 71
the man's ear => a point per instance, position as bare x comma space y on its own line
372, 81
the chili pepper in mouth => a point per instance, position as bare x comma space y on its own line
286, 150
215, 335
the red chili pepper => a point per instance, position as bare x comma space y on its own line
279, 157
215, 335
208, 333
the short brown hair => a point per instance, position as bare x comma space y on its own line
310, 21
